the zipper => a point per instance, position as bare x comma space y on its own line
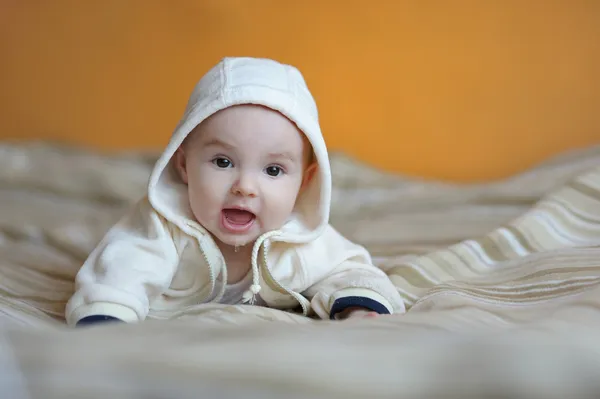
210, 268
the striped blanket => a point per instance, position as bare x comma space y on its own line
502, 282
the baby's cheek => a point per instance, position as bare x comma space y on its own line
211, 188
281, 207
204, 201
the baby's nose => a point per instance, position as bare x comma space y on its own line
245, 186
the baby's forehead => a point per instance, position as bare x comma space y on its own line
220, 130
200, 136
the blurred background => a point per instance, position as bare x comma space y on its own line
457, 90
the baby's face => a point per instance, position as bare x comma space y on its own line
244, 167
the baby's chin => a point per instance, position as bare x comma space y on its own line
237, 241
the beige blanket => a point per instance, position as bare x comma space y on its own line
502, 282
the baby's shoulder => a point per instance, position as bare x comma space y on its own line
330, 245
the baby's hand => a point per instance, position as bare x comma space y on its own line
356, 312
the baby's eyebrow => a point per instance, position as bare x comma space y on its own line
217, 142
282, 155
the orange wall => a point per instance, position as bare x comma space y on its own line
463, 90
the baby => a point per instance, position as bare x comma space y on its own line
237, 211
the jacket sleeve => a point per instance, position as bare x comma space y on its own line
342, 275
134, 263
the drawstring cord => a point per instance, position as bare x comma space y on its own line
250, 295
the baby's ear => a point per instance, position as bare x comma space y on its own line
180, 165
309, 173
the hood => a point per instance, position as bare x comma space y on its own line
245, 80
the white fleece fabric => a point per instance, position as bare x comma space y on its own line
158, 260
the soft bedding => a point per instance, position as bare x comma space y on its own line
502, 283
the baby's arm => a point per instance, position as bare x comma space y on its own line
355, 288
348, 283
134, 263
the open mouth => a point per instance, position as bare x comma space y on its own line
237, 220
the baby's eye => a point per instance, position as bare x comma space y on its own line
274, 170
222, 162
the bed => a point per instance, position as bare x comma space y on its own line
501, 280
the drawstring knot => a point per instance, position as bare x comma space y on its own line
250, 295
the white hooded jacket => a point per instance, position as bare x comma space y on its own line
157, 260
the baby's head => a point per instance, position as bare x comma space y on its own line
244, 168
252, 157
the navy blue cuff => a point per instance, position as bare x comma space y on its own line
97, 319
342, 304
